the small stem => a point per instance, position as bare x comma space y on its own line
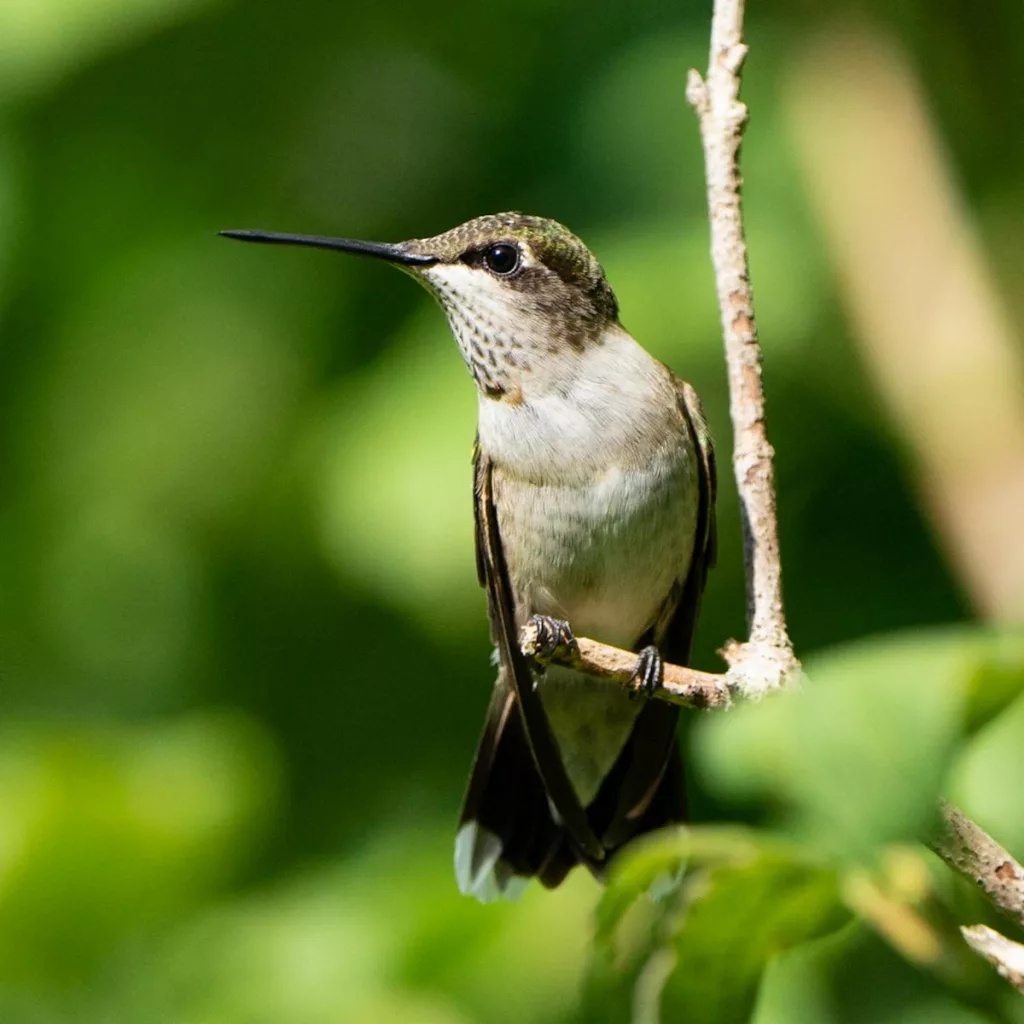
967, 848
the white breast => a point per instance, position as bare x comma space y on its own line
596, 491
603, 554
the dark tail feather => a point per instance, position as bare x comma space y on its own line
506, 832
561, 860
644, 790
667, 808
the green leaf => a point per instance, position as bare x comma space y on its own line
633, 920
737, 918
858, 757
656, 856
995, 680
636, 932
631, 933
649, 865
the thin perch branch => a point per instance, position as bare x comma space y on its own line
686, 687
766, 661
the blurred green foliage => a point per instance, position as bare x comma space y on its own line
243, 656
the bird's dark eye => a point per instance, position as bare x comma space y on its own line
502, 258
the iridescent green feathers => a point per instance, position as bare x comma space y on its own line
552, 246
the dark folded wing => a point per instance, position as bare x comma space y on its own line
501, 610
676, 643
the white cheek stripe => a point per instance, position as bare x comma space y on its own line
478, 291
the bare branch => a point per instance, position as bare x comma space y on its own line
966, 848
1007, 957
766, 660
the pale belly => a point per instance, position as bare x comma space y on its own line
603, 555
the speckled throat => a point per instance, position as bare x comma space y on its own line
496, 347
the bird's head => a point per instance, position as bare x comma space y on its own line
523, 295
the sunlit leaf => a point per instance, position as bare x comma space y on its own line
857, 757
637, 919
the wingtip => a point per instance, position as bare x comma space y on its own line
479, 870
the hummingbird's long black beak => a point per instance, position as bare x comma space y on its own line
380, 250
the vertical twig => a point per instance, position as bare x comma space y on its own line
766, 660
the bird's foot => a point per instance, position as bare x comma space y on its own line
544, 637
648, 674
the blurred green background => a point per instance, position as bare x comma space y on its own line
243, 655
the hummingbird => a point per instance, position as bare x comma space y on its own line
594, 488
